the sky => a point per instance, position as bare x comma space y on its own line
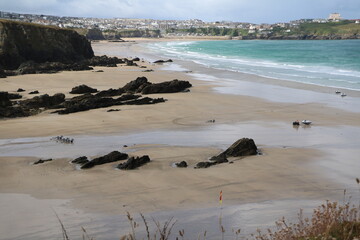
253, 11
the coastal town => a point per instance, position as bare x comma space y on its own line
167, 27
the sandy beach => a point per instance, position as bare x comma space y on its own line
302, 166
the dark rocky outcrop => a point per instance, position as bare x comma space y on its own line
134, 162
34, 92
27, 107
110, 92
43, 101
88, 101
166, 87
94, 34
80, 160
242, 147
181, 164
205, 164
111, 157
40, 161
104, 61
20, 90
113, 110
136, 85
14, 96
31, 67
81, 89
4, 100
163, 61
16, 111
21, 42
221, 158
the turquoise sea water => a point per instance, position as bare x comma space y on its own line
334, 63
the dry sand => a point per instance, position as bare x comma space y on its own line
281, 173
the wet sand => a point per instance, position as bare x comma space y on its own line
298, 165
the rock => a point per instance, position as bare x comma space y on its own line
2, 72
80, 160
113, 110
98, 71
163, 61
242, 147
148, 70
181, 164
31, 67
4, 99
111, 157
94, 34
85, 103
130, 62
145, 101
136, 59
166, 87
221, 158
133, 163
104, 61
14, 96
20, 90
135, 85
13, 112
40, 161
21, 42
34, 92
81, 89
110, 92
204, 164
45, 101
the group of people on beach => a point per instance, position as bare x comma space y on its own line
62, 139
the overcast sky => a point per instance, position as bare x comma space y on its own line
255, 11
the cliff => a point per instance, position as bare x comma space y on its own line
21, 42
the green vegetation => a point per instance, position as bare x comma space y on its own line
337, 28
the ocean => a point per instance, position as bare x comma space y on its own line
334, 63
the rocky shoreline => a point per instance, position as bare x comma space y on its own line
130, 94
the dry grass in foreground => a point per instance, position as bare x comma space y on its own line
330, 221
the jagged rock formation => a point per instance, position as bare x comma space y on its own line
21, 42
242, 147
111, 157
134, 162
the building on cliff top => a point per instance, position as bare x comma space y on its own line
335, 17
